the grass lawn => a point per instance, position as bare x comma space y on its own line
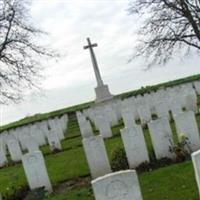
175, 182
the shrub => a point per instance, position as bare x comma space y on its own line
181, 149
119, 160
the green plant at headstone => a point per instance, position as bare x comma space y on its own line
119, 159
181, 149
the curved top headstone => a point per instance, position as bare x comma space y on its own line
123, 185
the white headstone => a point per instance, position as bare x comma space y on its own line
84, 125
3, 158
24, 132
14, 150
123, 185
3, 141
111, 114
162, 138
62, 121
162, 109
128, 117
96, 156
35, 170
54, 125
144, 113
186, 125
197, 87
117, 108
43, 126
30, 143
175, 107
135, 146
191, 103
54, 141
104, 126
35, 132
196, 164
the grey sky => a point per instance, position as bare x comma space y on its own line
71, 80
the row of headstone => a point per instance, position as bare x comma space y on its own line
162, 136
102, 124
30, 137
108, 114
160, 103
124, 185
135, 145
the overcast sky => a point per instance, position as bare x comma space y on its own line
71, 80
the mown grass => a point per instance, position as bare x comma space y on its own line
175, 182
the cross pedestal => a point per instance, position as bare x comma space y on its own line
102, 94
102, 90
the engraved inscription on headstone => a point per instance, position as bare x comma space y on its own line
116, 189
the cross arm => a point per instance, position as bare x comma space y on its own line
90, 46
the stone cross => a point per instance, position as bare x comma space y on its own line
94, 62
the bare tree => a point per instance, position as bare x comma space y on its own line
20, 53
168, 27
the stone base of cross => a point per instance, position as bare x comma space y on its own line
102, 94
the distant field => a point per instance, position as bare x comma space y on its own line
69, 110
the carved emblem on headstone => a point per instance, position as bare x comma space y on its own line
116, 190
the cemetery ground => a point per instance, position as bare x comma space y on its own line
69, 172
68, 169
